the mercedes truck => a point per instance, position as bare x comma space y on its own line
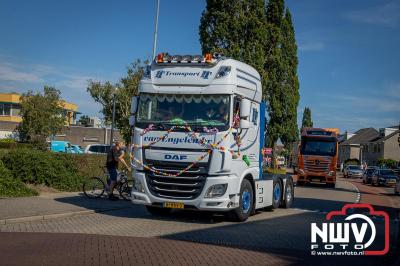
198, 128
317, 156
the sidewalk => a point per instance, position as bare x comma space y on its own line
54, 205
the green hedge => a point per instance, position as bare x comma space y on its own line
12, 187
15, 145
61, 171
387, 163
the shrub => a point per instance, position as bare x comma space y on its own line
387, 163
352, 161
43, 167
7, 141
89, 165
11, 187
15, 145
275, 171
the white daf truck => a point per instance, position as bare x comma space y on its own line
198, 131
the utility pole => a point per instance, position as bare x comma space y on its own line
156, 30
113, 119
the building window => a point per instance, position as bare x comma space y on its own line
5, 109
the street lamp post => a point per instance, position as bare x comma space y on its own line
113, 119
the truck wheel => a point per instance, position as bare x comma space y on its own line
289, 194
276, 194
299, 183
158, 211
244, 210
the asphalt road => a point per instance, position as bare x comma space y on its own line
280, 236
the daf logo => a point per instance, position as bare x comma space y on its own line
175, 157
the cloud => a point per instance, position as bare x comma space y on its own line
352, 111
18, 77
10, 73
385, 15
311, 46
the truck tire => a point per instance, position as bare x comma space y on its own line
157, 211
276, 193
245, 208
300, 183
288, 198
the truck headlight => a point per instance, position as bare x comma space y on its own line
331, 173
138, 186
216, 191
301, 171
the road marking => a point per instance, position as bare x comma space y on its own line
357, 190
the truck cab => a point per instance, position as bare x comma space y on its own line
317, 156
198, 129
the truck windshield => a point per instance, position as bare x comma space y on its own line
318, 147
193, 110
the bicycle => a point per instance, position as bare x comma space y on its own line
94, 187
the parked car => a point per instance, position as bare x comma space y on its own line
60, 146
97, 148
385, 177
76, 149
367, 175
352, 171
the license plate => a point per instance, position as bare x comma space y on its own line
315, 180
174, 205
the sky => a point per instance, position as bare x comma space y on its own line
349, 58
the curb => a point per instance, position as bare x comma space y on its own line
54, 216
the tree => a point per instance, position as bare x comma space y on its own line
124, 91
263, 37
42, 115
84, 120
235, 28
290, 82
274, 70
306, 122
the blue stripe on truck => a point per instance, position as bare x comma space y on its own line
262, 135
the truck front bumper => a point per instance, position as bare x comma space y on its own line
226, 202
317, 177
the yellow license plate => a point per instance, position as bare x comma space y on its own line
174, 205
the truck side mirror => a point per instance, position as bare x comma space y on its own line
245, 106
244, 124
134, 104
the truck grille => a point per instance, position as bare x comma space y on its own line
316, 166
185, 187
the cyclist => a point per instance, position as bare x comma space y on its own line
114, 156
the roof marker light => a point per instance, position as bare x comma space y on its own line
167, 58
208, 58
160, 58
187, 58
177, 58
198, 58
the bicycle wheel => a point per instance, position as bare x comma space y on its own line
125, 190
93, 187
